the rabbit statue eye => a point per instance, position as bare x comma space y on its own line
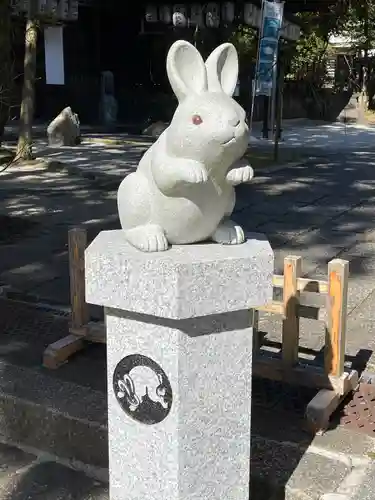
197, 120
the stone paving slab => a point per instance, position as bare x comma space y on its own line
365, 310
105, 159
29, 476
287, 460
278, 467
12, 460
361, 341
366, 490
297, 470
320, 210
25, 476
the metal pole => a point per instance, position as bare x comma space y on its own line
274, 96
265, 129
276, 75
255, 80
279, 104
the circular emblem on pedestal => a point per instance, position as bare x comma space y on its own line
142, 389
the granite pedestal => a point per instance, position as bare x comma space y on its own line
179, 364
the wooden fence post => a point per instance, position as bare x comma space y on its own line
290, 329
338, 279
80, 314
59, 352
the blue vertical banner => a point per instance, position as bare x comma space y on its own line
269, 36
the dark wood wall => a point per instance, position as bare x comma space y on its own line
106, 37
110, 35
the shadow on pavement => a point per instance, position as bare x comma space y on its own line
279, 439
320, 210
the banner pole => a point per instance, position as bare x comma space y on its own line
255, 79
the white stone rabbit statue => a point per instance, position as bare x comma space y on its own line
182, 191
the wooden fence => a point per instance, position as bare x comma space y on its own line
318, 300
301, 298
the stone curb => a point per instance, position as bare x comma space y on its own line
8, 292
67, 421
119, 142
53, 416
368, 377
334, 496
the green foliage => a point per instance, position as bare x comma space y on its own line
308, 56
245, 39
310, 50
359, 24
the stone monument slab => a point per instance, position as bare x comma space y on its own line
64, 130
108, 101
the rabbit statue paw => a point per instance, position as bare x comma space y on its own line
240, 173
229, 233
193, 173
148, 238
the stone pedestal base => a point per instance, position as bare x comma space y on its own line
179, 365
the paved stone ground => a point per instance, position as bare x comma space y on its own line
63, 413
319, 210
287, 463
26, 476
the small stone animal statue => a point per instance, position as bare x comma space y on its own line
183, 189
108, 102
64, 130
140, 382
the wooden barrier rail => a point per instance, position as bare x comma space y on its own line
313, 299
301, 298
293, 307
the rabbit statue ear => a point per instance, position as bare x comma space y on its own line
222, 69
186, 70
129, 385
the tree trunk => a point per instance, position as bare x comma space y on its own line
6, 73
24, 147
366, 69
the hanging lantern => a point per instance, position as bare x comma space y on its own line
151, 14
19, 6
165, 14
228, 12
252, 15
42, 7
73, 10
179, 16
13, 4
213, 15
52, 7
63, 9
24, 5
196, 14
